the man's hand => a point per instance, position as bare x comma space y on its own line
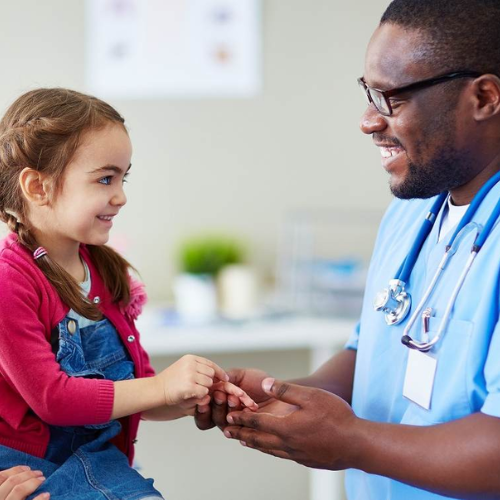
208, 416
315, 435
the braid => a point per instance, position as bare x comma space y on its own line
65, 285
11, 221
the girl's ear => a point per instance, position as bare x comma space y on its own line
34, 186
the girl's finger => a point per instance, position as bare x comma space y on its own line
206, 370
197, 392
219, 372
234, 390
203, 380
204, 401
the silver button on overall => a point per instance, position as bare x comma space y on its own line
97, 300
130, 338
71, 327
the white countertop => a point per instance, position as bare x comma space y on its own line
286, 332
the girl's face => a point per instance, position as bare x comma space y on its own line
92, 193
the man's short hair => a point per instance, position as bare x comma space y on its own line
458, 34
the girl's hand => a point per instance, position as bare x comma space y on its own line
191, 380
19, 482
189, 406
191, 377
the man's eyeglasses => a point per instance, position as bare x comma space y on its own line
381, 98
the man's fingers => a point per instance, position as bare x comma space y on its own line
219, 409
220, 397
254, 439
236, 375
274, 453
262, 421
234, 402
290, 393
203, 418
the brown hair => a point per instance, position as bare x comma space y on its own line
42, 130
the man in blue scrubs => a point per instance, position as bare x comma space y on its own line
429, 426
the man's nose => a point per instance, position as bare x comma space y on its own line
372, 121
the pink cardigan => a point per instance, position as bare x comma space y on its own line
34, 391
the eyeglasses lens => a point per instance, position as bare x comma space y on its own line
380, 102
372, 96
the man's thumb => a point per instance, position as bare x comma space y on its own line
290, 393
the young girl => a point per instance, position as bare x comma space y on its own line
74, 379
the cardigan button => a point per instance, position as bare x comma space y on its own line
131, 338
97, 300
72, 327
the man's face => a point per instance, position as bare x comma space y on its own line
424, 144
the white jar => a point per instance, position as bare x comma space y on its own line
195, 298
237, 286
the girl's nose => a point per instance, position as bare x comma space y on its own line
372, 121
119, 198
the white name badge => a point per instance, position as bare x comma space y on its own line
419, 378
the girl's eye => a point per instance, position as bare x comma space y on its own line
106, 180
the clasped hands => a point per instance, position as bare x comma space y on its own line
307, 425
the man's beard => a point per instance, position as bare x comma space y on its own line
446, 171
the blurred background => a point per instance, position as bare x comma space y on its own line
268, 166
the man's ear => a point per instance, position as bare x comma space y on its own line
486, 96
34, 186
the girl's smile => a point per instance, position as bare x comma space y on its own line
90, 197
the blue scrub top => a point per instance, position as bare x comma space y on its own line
468, 356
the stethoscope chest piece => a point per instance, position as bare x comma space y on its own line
394, 302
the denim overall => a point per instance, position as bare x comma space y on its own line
80, 462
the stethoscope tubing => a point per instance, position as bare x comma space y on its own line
426, 295
462, 229
409, 263
427, 346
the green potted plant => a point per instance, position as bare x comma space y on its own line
200, 260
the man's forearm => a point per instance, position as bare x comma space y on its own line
459, 458
335, 376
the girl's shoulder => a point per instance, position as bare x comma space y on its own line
18, 268
13, 254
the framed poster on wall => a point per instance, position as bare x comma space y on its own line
139, 49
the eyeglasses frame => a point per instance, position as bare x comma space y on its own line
429, 82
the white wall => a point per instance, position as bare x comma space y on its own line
235, 165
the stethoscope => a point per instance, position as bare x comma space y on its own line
395, 301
